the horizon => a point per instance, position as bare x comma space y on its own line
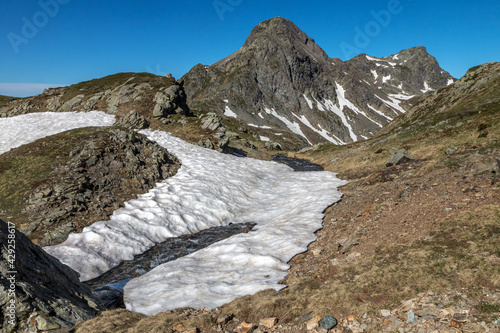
52, 43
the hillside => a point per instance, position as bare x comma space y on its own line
412, 246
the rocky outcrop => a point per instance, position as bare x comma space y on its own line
283, 83
135, 98
37, 292
104, 168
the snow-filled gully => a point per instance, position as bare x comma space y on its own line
209, 190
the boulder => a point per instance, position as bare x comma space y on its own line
398, 157
479, 163
133, 120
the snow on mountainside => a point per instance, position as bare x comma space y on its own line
282, 79
210, 189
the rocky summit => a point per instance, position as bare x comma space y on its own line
284, 86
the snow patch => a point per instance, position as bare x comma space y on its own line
426, 88
309, 102
386, 78
372, 58
343, 102
375, 74
450, 81
23, 129
228, 112
257, 126
264, 138
210, 189
292, 126
380, 112
324, 133
393, 103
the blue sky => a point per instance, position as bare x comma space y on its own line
61, 42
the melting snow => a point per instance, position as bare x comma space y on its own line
264, 138
386, 78
395, 57
20, 130
343, 101
309, 102
450, 81
324, 133
379, 112
319, 105
401, 96
210, 189
393, 103
426, 88
228, 112
292, 126
264, 127
372, 58
375, 74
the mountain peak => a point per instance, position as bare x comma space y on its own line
277, 27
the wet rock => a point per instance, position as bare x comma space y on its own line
398, 157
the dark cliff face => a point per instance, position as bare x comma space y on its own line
48, 294
282, 79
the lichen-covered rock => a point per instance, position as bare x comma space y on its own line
46, 295
133, 120
92, 178
398, 157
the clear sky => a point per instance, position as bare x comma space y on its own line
61, 42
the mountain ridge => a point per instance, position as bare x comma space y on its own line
284, 84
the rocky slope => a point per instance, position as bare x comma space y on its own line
412, 247
48, 294
139, 98
63, 183
283, 86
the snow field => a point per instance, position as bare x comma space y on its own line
210, 189
23, 129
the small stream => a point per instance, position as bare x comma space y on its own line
297, 164
108, 288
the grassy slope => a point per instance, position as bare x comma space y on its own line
425, 226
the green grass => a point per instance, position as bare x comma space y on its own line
25, 168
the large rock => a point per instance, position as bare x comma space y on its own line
479, 163
400, 156
91, 179
44, 294
133, 121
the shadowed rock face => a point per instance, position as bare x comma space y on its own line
48, 294
281, 78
